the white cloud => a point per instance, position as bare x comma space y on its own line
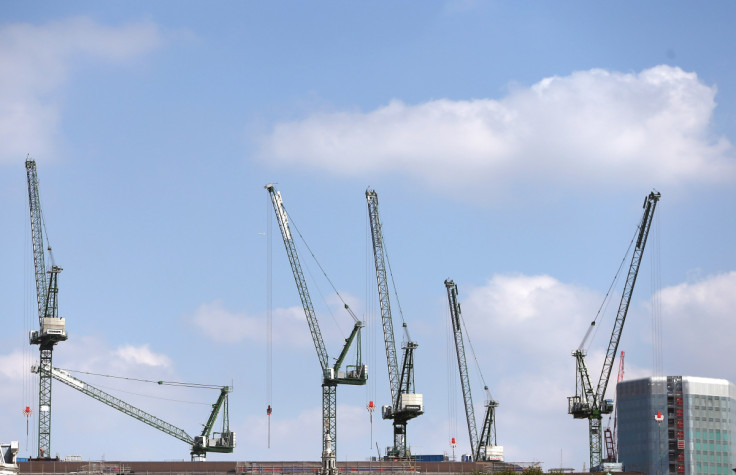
696, 316
297, 437
222, 325
597, 125
141, 355
520, 311
523, 330
35, 63
12, 367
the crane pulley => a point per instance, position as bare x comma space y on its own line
589, 402
405, 403
483, 446
332, 376
208, 441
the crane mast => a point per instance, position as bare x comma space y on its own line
479, 444
331, 376
52, 329
589, 403
200, 445
405, 403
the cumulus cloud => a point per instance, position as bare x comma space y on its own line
223, 325
696, 314
527, 311
13, 366
37, 60
595, 125
142, 355
297, 437
523, 329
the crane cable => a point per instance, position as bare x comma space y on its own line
30, 308
656, 289
393, 284
296, 228
269, 316
475, 357
372, 326
160, 383
452, 377
606, 299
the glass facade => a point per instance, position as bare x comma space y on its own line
697, 428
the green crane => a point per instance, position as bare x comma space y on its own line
331, 375
589, 402
52, 328
405, 403
483, 446
207, 441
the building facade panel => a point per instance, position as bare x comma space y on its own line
695, 434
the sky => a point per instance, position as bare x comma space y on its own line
511, 145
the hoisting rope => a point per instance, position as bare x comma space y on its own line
606, 300
160, 383
27, 306
323, 272
371, 327
269, 316
452, 377
656, 289
393, 285
475, 357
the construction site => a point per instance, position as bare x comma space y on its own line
589, 400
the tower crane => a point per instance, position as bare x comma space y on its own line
588, 402
405, 403
222, 442
483, 446
331, 375
52, 328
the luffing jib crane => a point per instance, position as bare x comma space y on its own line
331, 375
589, 402
52, 328
221, 442
405, 403
483, 446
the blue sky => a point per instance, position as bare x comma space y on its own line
511, 145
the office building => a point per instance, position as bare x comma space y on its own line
694, 433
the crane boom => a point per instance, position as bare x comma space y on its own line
462, 364
51, 328
331, 376
405, 403
383, 293
589, 403
479, 443
39, 263
199, 445
650, 203
301, 283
